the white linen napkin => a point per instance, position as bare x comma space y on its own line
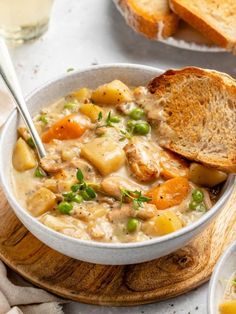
21, 298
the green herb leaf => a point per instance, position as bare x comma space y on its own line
126, 135
111, 119
90, 191
30, 142
85, 191
69, 196
70, 69
39, 173
79, 176
144, 199
43, 118
85, 195
108, 119
99, 116
75, 188
136, 196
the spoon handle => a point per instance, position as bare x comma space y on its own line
8, 74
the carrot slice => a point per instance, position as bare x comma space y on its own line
173, 166
69, 127
170, 193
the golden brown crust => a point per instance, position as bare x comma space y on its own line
200, 23
200, 107
152, 27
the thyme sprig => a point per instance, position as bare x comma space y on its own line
109, 120
136, 196
99, 116
84, 188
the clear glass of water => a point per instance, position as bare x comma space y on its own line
22, 20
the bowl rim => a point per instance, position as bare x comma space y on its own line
105, 245
215, 276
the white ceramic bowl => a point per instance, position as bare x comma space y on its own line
224, 269
95, 252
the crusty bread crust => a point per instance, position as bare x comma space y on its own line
200, 109
201, 23
154, 28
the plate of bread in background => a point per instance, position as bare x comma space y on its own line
200, 25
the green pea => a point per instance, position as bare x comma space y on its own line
201, 208
132, 224
141, 128
40, 173
136, 114
114, 119
30, 142
78, 199
65, 207
43, 118
197, 196
69, 196
75, 188
70, 106
193, 205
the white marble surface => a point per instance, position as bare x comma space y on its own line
92, 31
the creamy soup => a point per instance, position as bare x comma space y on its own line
105, 178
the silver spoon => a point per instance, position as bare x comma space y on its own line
8, 74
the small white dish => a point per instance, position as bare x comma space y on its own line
186, 37
91, 251
224, 269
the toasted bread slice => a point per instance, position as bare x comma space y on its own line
215, 19
198, 118
152, 18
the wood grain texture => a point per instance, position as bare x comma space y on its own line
160, 279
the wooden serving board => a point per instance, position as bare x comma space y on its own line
160, 279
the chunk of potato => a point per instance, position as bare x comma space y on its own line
51, 184
65, 185
23, 132
205, 176
112, 93
165, 222
82, 94
228, 307
42, 201
105, 154
23, 156
90, 110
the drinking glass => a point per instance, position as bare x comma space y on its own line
22, 20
